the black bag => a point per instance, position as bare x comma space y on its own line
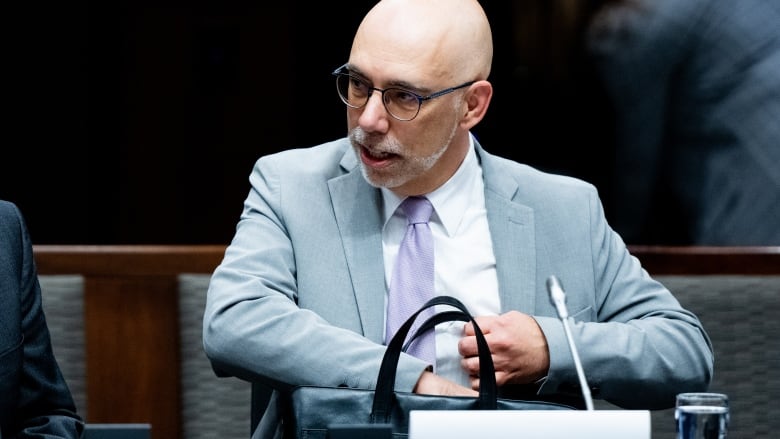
309, 411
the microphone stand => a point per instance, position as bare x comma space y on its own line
558, 298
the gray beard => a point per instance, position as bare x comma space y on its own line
407, 170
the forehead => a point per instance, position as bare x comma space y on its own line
403, 72
390, 52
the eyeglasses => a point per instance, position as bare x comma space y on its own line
401, 104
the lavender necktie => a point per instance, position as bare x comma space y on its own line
412, 282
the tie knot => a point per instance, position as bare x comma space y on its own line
417, 209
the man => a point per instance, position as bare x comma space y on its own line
300, 295
34, 398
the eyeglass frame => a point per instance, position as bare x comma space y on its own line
420, 99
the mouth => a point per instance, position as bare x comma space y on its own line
376, 159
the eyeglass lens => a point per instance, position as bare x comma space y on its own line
355, 92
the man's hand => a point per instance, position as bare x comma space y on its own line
432, 384
517, 344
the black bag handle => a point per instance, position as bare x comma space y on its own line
432, 321
383, 396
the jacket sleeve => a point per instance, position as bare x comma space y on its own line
260, 324
639, 347
45, 407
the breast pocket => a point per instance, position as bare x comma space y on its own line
584, 315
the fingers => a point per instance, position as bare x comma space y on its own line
484, 323
467, 347
518, 348
470, 365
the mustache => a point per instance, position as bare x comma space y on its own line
375, 143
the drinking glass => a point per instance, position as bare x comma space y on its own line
702, 415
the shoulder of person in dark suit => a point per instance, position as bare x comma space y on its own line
35, 400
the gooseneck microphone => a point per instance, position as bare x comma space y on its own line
558, 298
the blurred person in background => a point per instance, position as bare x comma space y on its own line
695, 86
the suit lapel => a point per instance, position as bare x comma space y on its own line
511, 227
512, 230
360, 229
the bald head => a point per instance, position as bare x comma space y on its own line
446, 39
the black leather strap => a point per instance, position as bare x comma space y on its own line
383, 396
432, 321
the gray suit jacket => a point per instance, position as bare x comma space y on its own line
299, 296
34, 398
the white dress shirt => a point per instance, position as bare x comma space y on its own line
464, 263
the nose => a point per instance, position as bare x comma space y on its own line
374, 116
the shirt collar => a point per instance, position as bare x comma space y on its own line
450, 200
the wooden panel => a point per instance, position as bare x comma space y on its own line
132, 347
708, 260
131, 327
170, 260
128, 260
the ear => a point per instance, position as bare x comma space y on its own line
477, 102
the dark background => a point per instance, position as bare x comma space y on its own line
138, 122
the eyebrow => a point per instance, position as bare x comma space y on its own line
423, 91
